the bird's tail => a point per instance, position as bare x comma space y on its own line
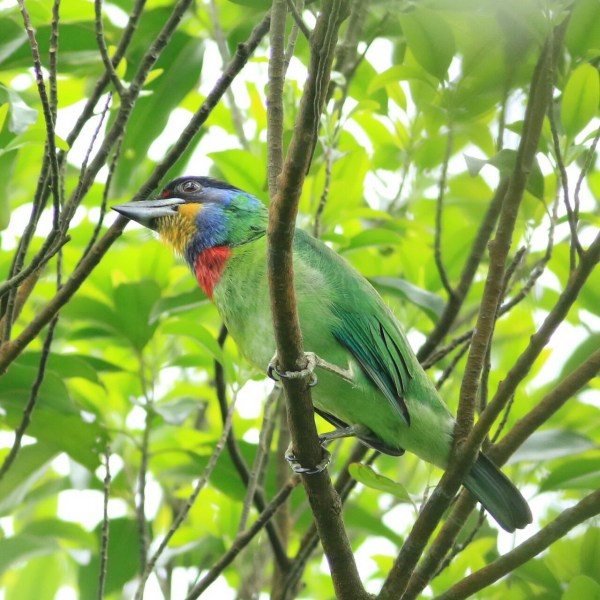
498, 495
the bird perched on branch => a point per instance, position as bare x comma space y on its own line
370, 383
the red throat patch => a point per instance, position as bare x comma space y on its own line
209, 266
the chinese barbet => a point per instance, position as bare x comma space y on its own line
369, 379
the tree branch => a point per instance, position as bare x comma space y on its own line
325, 502
464, 454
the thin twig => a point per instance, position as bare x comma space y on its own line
102, 573
219, 36
244, 538
300, 24
438, 214
575, 246
292, 39
29, 407
238, 461
262, 453
106, 61
183, 513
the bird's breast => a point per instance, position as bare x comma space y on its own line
209, 266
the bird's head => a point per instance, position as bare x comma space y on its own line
193, 214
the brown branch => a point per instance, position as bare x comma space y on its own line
275, 95
344, 485
500, 246
565, 522
324, 501
464, 454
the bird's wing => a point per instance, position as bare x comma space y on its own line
378, 348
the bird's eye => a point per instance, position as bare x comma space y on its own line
190, 186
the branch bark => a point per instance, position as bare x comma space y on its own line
325, 502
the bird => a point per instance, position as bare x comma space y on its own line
369, 382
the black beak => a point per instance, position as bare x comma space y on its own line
146, 212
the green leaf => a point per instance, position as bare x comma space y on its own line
68, 535
582, 587
590, 553
373, 237
176, 411
20, 548
134, 303
21, 115
29, 466
583, 31
25, 582
12, 37
181, 62
368, 477
173, 305
16, 390
537, 572
549, 444
580, 99
430, 39
123, 559
65, 365
243, 169
431, 304
198, 333
581, 474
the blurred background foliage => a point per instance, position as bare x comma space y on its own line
431, 96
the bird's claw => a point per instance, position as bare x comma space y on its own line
275, 374
298, 468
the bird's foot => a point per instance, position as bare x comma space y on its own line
312, 362
324, 440
298, 468
276, 374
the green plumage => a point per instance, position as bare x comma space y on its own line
346, 323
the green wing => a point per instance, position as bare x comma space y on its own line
378, 353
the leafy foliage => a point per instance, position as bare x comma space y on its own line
107, 347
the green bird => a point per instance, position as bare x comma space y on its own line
369, 381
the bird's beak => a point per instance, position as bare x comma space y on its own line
146, 212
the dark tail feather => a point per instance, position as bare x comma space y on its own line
498, 495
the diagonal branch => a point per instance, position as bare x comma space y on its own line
465, 454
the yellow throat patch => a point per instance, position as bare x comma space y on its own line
177, 230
